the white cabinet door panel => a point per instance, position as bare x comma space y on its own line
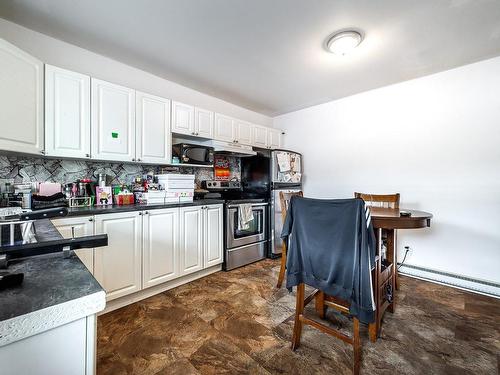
182, 118
67, 113
191, 239
160, 248
117, 266
83, 226
273, 138
21, 98
204, 123
243, 132
153, 137
213, 229
224, 128
113, 121
259, 138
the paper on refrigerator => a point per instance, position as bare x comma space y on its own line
284, 163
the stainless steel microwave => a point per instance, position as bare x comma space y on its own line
193, 154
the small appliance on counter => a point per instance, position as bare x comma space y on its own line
193, 154
17, 194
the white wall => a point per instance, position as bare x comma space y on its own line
55, 52
436, 140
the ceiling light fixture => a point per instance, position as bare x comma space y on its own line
344, 42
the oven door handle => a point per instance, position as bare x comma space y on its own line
253, 205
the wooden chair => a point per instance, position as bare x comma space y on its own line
323, 301
284, 200
380, 200
380, 275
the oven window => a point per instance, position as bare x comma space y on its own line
254, 226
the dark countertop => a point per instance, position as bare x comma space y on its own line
96, 210
48, 280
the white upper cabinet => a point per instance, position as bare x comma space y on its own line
113, 121
259, 137
21, 98
182, 118
160, 246
153, 137
67, 113
224, 128
213, 242
265, 137
243, 132
117, 267
273, 138
191, 239
79, 226
204, 123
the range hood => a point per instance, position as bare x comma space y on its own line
231, 148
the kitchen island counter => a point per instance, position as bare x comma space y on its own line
55, 291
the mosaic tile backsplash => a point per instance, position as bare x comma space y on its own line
35, 169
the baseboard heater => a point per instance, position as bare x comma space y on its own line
470, 284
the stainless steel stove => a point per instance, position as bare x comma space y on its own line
245, 237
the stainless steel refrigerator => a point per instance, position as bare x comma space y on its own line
286, 175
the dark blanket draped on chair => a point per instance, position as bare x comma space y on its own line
331, 247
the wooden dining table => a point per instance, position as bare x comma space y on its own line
386, 222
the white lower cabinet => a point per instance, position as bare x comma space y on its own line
201, 239
82, 226
213, 236
160, 242
191, 239
148, 248
117, 267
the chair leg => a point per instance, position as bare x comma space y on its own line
283, 265
299, 310
356, 347
319, 302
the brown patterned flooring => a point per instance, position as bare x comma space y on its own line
238, 323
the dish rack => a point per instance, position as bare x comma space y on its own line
80, 201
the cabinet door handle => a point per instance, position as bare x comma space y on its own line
146, 212
90, 219
133, 159
87, 155
140, 213
42, 152
138, 159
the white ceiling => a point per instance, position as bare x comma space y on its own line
267, 55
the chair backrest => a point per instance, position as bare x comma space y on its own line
285, 200
379, 200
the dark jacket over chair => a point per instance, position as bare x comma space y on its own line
331, 247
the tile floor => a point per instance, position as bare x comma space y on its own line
238, 323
